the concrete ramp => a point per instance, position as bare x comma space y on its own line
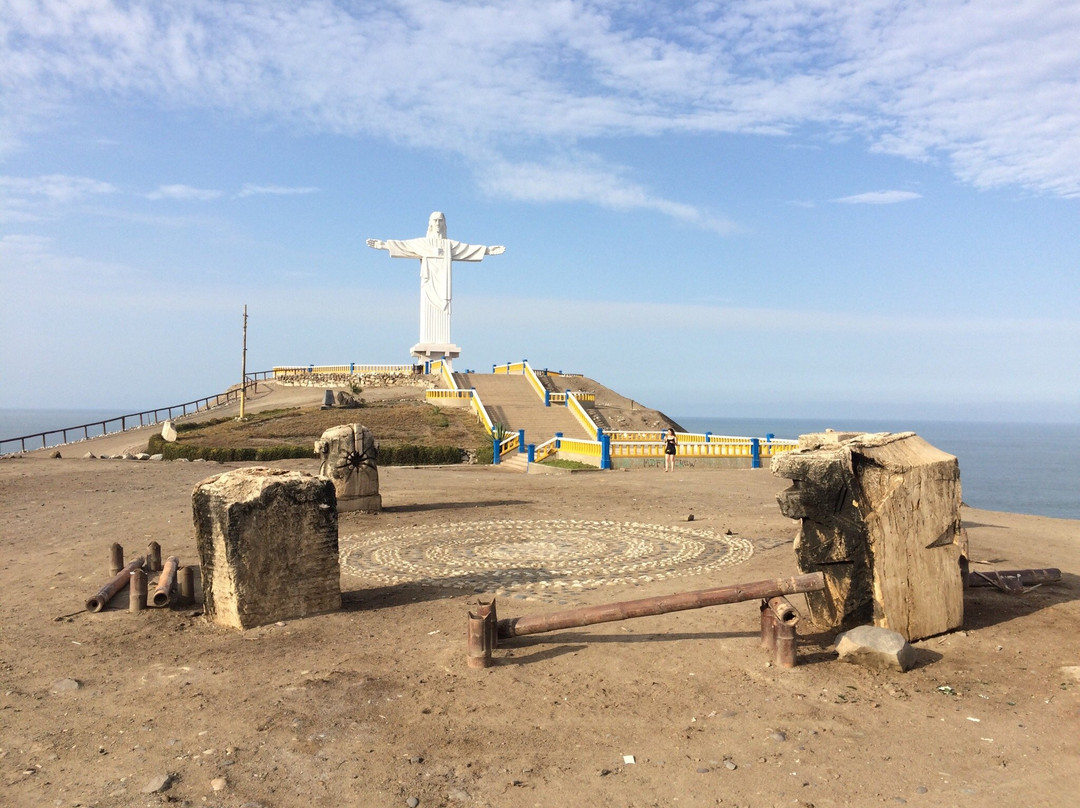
511, 400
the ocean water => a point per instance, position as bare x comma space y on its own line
1015, 467
17, 423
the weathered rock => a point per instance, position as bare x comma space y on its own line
876, 648
158, 783
65, 686
89, 456
268, 546
349, 455
168, 431
328, 399
880, 517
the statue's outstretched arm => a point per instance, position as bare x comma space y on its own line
376, 244
496, 250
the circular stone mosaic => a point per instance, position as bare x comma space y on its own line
539, 556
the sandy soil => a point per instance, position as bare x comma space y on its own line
375, 706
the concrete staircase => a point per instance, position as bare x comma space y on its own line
511, 400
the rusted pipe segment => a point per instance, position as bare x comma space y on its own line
768, 627
166, 582
153, 557
478, 648
187, 584
783, 610
116, 558
588, 615
1027, 577
784, 656
137, 591
491, 620
119, 581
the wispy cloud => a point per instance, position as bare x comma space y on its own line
250, 189
184, 193
588, 180
992, 89
32, 198
879, 198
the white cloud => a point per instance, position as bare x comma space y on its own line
183, 192
587, 180
25, 199
251, 189
879, 198
992, 88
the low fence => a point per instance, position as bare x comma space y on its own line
122, 423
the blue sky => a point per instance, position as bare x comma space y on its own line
785, 209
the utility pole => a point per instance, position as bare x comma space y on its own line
243, 368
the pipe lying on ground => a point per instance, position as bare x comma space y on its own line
589, 615
119, 581
166, 582
1007, 580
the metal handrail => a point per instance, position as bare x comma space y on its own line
199, 404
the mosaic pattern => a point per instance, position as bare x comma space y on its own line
537, 557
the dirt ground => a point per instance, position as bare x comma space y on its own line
375, 705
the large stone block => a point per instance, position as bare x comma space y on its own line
268, 546
880, 517
349, 457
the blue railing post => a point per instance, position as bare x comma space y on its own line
755, 453
708, 437
599, 433
532, 453
567, 402
558, 440
547, 398
495, 451
521, 441
605, 451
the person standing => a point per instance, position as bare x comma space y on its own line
671, 445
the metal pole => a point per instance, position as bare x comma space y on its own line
243, 368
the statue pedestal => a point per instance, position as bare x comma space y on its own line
431, 351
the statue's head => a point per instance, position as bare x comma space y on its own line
436, 225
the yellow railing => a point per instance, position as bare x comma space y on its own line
438, 394
729, 447
579, 413
545, 450
534, 380
481, 413
400, 370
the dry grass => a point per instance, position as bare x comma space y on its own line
400, 422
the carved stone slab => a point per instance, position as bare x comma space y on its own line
268, 546
880, 516
349, 457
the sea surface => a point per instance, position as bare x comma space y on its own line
1015, 467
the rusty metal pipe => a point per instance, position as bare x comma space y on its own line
166, 582
479, 648
153, 557
589, 615
786, 640
137, 591
116, 558
187, 584
1026, 577
491, 620
783, 610
119, 581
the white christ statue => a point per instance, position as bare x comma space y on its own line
436, 253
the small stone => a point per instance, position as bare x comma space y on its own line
416, 759
412, 802
218, 783
730, 765
56, 455
65, 686
778, 736
703, 770
876, 648
89, 456
158, 783
921, 790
